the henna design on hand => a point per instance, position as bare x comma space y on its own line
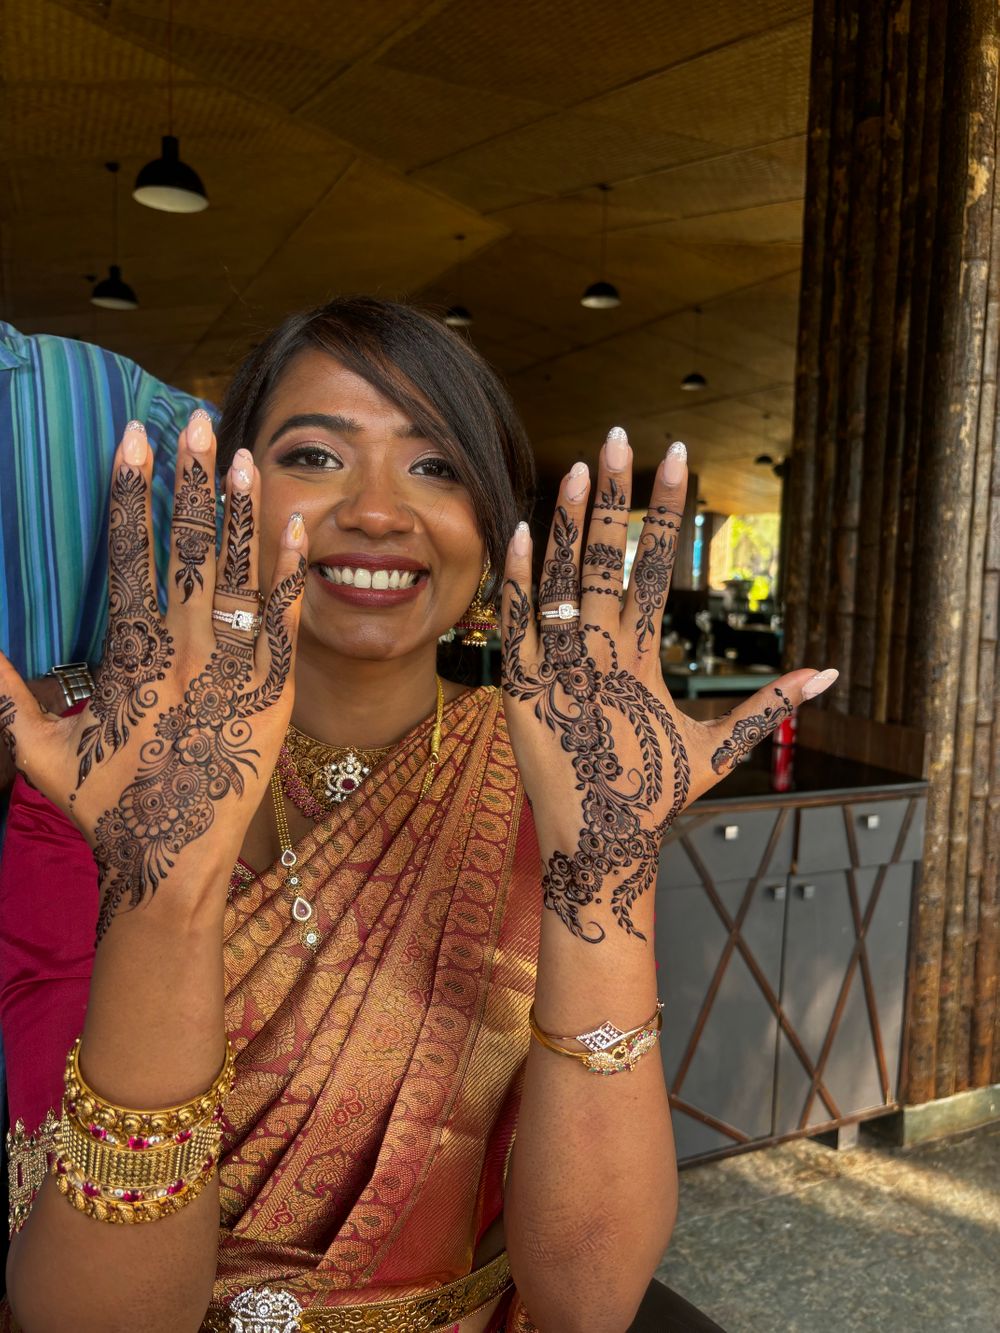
609, 503
650, 577
560, 582
236, 574
137, 648
750, 731
194, 527
198, 757
602, 555
613, 840
8, 716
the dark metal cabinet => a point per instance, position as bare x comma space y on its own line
781, 943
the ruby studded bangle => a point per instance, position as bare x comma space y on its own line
122, 1165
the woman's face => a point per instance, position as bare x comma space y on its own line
395, 555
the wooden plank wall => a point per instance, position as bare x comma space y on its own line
894, 489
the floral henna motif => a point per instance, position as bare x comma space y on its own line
236, 574
750, 731
194, 527
650, 577
560, 582
137, 648
602, 555
197, 758
573, 697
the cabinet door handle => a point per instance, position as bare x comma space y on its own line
777, 892
731, 832
871, 821
807, 890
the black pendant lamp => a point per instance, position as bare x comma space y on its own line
113, 292
602, 295
167, 183
695, 381
458, 316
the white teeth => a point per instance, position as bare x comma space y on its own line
367, 578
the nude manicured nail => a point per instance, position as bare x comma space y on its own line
818, 683
616, 449
674, 464
521, 543
134, 446
242, 470
295, 532
578, 481
199, 431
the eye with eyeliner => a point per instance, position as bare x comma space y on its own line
315, 457
439, 468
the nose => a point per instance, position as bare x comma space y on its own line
373, 504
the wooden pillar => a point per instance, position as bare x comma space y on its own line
894, 498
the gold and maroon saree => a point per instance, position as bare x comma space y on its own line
378, 1069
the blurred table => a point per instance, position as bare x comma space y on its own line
684, 683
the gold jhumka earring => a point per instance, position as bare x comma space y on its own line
481, 619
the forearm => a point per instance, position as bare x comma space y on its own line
153, 1037
49, 694
591, 1196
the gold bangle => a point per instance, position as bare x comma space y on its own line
123, 1127
609, 1050
138, 1170
108, 1205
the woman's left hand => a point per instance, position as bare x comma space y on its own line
607, 759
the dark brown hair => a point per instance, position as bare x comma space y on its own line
414, 360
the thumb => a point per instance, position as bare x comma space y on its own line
755, 718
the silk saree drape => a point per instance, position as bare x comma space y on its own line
378, 1072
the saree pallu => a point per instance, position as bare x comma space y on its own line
378, 1071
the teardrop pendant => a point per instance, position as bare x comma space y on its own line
301, 910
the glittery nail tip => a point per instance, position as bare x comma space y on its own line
200, 414
617, 433
817, 684
136, 425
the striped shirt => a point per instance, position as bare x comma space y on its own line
63, 408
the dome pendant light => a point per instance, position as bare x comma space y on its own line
167, 183
695, 381
112, 292
458, 316
602, 295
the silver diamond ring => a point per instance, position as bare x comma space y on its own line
241, 620
564, 611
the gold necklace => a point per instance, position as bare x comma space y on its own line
301, 909
328, 773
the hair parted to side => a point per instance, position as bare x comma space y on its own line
414, 360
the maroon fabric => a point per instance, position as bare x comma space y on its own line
47, 871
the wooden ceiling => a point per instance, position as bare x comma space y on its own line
344, 144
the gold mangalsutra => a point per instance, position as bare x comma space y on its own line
301, 909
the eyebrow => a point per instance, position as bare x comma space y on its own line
337, 424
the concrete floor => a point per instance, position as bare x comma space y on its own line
804, 1239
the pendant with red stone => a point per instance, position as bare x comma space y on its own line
345, 776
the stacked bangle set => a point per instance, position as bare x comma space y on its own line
126, 1166
609, 1050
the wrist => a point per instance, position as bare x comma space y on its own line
49, 694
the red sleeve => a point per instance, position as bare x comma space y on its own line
48, 919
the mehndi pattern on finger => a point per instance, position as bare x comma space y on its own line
137, 647
236, 573
748, 732
197, 757
194, 527
650, 580
613, 839
560, 581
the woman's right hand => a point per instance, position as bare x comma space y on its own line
165, 766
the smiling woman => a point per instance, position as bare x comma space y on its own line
338, 865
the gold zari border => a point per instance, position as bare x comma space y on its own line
413, 1314
27, 1165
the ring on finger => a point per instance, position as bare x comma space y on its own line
564, 611
245, 621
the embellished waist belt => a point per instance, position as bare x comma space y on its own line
263, 1310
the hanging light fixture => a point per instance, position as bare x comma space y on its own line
602, 295
167, 183
458, 316
112, 292
695, 381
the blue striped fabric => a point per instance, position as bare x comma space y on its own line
63, 407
